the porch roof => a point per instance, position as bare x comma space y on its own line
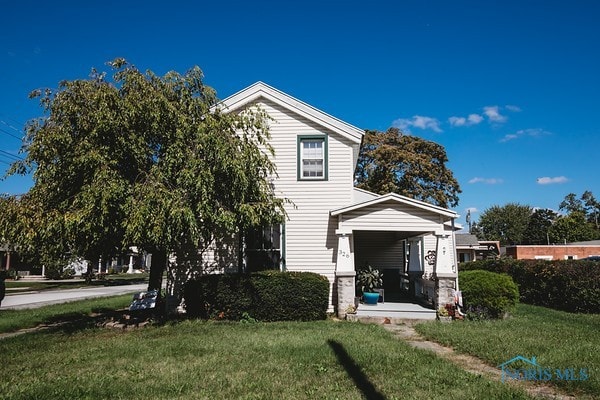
393, 197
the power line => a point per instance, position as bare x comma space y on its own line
6, 153
9, 134
6, 132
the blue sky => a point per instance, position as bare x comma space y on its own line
511, 89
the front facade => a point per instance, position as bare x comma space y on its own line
334, 228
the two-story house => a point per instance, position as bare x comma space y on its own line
334, 228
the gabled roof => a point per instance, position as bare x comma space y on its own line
466, 239
399, 199
262, 90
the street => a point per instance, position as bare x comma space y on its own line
44, 298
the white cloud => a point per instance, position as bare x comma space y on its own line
532, 132
488, 181
472, 119
493, 114
457, 121
472, 210
417, 121
546, 180
513, 108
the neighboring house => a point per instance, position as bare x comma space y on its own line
568, 251
334, 228
469, 248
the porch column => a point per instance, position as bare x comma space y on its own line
415, 266
445, 270
130, 269
344, 273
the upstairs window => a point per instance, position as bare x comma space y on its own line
312, 157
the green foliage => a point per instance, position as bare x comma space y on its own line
141, 160
507, 224
57, 271
567, 285
488, 292
368, 279
408, 165
539, 226
264, 296
573, 228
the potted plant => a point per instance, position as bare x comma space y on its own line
367, 280
351, 313
444, 313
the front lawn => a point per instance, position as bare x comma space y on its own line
557, 339
226, 360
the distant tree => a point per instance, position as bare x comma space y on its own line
592, 208
571, 204
507, 224
538, 228
573, 228
391, 161
586, 206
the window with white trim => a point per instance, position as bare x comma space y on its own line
312, 157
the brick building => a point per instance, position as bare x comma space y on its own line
569, 251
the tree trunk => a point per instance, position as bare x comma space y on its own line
157, 268
90, 269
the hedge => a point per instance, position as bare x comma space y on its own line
567, 285
264, 296
488, 294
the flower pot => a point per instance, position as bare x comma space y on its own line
371, 298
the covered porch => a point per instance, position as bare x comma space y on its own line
410, 241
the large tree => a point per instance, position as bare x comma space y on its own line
573, 228
144, 160
539, 225
507, 223
586, 205
391, 161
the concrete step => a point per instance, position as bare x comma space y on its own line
395, 311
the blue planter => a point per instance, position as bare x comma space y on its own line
371, 298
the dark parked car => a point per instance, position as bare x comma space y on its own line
592, 258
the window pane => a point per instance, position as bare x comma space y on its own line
312, 168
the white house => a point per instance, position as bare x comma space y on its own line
334, 228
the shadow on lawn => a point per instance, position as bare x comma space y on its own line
70, 323
361, 381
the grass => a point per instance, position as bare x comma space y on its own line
216, 360
110, 280
557, 339
12, 320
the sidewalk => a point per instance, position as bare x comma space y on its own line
47, 297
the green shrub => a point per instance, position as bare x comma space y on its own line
488, 293
265, 296
567, 285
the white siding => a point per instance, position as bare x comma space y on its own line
391, 216
310, 232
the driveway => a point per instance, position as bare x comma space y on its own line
46, 297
